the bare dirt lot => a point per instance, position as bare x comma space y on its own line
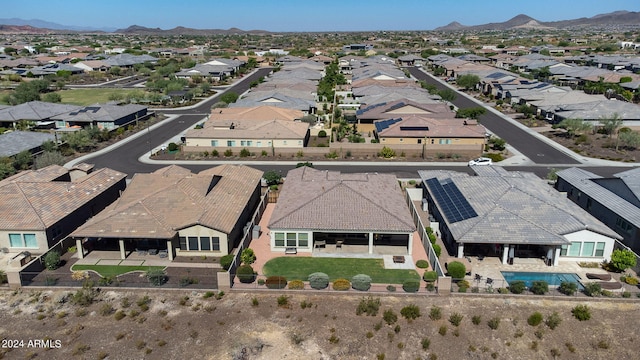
312, 325
596, 146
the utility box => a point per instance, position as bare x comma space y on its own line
256, 232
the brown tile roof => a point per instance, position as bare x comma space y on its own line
255, 113
404, 106
251, 129
435, 128
159, 204
385, 83
328, 200
34, 201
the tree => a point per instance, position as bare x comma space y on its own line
52, 97
575, 126
229, 97
621, 260
49, 158
78, 140
272, 177
447, 94
612, 124
468, 81
52, 260
471, 113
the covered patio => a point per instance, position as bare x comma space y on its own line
125, 248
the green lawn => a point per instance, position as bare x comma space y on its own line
113, 270
300, 267
91, 96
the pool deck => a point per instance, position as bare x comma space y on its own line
491, 267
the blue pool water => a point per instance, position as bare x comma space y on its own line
553, 279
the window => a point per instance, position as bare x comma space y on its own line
231, 143
291, 239
259, 144
563, 250
587, 248
214, 142
589, 204
183, 243
279, 237
574, 249
419, 141
599, 249
284, 142
249, 143
215, 243
444, 141
401, 139
624, 226
303, 240
243, 143
205, 243
193, 243
23, 241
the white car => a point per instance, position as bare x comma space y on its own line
480, 161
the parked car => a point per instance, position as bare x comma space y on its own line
480, 161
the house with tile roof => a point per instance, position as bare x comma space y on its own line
14, 142
178, 211
32, 111
102, 116
368, 114
360, 213
241, 134
613, 200
41, 207
512, 215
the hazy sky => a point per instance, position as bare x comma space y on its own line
302, 15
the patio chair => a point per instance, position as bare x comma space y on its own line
489, 281
153, 251
141, 252
320, 243
163, 253
478, 277
339, 244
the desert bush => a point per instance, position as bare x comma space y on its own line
534, 319
455, 319
553, 320
283, 301
318, 280
435, 313
430, 276
341, 285
476, 319
411, 285
442, 330
246, 274
425, 343
369, 306
494, 323
463, 285
276, 282
422, 264
226, 261
391, 288
389, 317
52, 260
157, 277
410, 312
84, 296
629, 279
106, 309
540, 287
592, 289
361, 282
296, 285
517, 287
581, 312
568, 288
456, 270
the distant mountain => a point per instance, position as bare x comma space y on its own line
141, 30
41, 24
618, 18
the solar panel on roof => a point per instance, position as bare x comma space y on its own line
453, 204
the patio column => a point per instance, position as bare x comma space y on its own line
460, 250
370, 243
122, 253
410, 250
556, 256
169, 250
505, 254
79, 249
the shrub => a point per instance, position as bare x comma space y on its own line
456, 270
276, 282
422, 264
435, 313
389, 317
391, 288
455, 319
430, 276
361, 282
535, 319
476, 319
296, 285
581, 312
215, 153
341, 285
172, 146
494, 323
318, 280
592, 289
437, 249
410, 312
629, 279
226, 261
228, 153
157, 277
463, 285
52, 260
322, 134
248, 256
568, 288
442, 330
245, 152
425, 343
411, 285
622, 259
246, 274
540, 287
517, 287
553, 320
369, 306
283, 301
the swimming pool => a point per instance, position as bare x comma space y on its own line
553, 279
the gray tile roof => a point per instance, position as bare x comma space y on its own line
100, 112
587, 183
322, 200
34, 110
129, 60
14, 142
515, 209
